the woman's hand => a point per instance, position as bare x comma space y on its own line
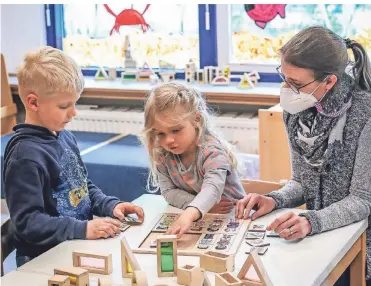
261, 204
291, 226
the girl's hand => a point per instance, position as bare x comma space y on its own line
291, 226
223, 207
184, 222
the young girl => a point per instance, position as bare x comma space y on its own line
194, 168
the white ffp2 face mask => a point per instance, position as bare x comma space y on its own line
294, 103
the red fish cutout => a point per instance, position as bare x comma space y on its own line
128, 17
264, 13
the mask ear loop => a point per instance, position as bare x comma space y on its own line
318, 103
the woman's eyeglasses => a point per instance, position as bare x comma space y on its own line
294, 88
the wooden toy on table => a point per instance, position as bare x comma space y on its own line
217, 262
190, 275
105, 261
167, 256
59, 280
139, 278
128, 261
227, 279
78, 276
105, 281
214, 232
253, 272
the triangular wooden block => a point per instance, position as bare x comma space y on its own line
139, 278
101, 74
253, 272
129, 263
146, 68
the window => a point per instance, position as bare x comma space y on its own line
172, 33
244, 44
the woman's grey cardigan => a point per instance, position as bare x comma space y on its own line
343, 194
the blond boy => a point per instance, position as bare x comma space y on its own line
47, 189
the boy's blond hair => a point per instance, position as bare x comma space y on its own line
47, 71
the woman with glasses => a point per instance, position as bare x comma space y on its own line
327, 115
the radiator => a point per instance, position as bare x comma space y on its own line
241, 129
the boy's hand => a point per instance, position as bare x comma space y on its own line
102, 227
223, 207
127, 208
184, 221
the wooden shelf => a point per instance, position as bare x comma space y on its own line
265, 94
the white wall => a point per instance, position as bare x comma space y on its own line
22, 30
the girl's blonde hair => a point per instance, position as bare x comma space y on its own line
165, 100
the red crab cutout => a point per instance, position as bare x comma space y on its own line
128, 17
264, 13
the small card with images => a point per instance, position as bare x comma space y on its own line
132, 220
258, 227
254, 235
123, 227
272, 233
257, 242
261, 249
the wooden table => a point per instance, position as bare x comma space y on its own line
15, 278
25, 278
265, 94
311, 261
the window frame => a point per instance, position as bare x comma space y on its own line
224, 40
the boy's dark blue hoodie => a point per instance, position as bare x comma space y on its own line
47, 189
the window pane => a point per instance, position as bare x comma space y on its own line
172, 37
252, 44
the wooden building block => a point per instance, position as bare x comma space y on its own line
190, 275
248, 277
167, 257
59, 280
128, 261
227, 279
217, 262
105, 281
139, 278
206, 280
78, 276
99, 263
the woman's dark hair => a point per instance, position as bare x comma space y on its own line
324, 52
